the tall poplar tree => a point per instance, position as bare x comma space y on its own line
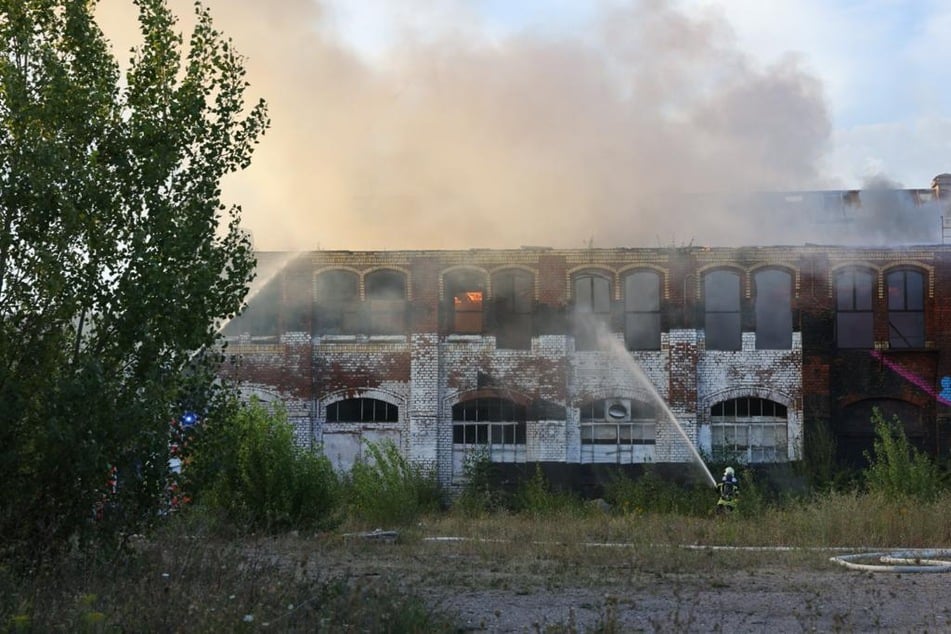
118, 259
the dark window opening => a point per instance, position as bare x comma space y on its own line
906, 309
773, 310
592, 310
362, 410
722, 318
513, 298
465, 295
386, 302
337, 307
853, 293
642, 311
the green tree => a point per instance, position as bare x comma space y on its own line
118, 259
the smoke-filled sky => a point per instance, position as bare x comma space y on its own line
430, 124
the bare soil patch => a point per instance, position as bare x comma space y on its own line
511, 586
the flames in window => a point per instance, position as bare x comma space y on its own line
468, 301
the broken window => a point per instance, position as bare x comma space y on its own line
853, 304
906, 309
386, 302
513, 294
494, 427
773, 288
362, 410
465, 297
749, 429
337, 308
619, 430
592, 310
259, 319
721, 296
642, 310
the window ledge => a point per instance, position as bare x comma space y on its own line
464, 338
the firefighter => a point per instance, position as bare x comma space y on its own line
729, 488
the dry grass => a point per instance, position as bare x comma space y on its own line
577, 571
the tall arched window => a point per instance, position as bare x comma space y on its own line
906, 309
337, 307
721, 297
853, 303
773, 288
464, 301
386, 302
592, 311
642, 310
513, 294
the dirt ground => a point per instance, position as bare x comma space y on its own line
582, 589
776, 600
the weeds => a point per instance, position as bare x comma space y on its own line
388, 489
897, 469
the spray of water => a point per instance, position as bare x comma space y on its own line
615, 348
266, 276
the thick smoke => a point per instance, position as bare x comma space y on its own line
626, 133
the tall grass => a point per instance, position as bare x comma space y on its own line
387, 489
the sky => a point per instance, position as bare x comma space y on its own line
446, 124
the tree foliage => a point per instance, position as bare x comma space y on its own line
248, 467
118, 259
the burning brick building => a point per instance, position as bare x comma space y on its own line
586, 357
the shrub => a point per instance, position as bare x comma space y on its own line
386, 488
482, 491
897, 469
651, 493
250, 468
535, 496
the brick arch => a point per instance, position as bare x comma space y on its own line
780, 266
592, 268
633, 268
755, 391
607, 392
911, 265
490, 392
266, 396
348, 269
857, 264
462, 267
406, 274
511, 267
366, 392
719, 266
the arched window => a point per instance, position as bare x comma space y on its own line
619, 430
721, 297
513, 293
592, 294
465, 299
853, 303
642, 310
773, 289
386, 302
749, 429
906, 309
362, 410
337, 311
